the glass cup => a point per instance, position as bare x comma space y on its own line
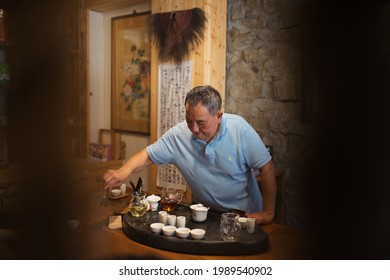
229, 229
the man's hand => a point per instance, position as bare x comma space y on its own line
113, 179
261, 217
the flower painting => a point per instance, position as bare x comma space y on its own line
131, 74
137, 85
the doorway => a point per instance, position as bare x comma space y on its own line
99, 83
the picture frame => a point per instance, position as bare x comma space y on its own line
102, 152
113, 138
130, 94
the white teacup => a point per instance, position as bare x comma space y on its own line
181, 221
242, 221
250, 225
123, 189
171, 221
160, 216
116, 192
153, 201
164, 218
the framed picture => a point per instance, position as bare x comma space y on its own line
130, 94
113, 138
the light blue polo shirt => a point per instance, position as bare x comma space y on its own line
220, 173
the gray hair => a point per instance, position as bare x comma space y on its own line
207, 96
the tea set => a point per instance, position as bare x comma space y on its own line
169, 225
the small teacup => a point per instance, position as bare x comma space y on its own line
160, 215
169, 230
156, 227
164, 218
171, 221
116, 192
197, 233
250, 225
183, 232
242, 221
181, 221
153, 201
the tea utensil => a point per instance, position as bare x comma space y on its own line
139, 184
103, 203
133, 186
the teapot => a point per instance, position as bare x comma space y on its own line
138, 204
199, 212
229, 228
170, 198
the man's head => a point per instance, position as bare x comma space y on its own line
203, 112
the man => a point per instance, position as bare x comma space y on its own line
217, 153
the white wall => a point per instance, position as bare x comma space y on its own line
96, 69
100, 83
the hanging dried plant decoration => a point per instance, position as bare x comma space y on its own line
174, 33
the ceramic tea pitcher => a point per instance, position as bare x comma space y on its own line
138, 204
170, 198
229, 229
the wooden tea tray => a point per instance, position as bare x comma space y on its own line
118, 197
138, 229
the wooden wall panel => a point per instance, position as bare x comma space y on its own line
109, 5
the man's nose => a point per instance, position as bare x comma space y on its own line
194, 128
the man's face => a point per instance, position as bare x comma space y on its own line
201, 123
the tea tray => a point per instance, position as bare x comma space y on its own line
110, 196
138, 229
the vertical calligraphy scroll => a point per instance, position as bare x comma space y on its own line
174, 83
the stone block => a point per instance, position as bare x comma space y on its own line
285, 90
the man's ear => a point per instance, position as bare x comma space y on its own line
219, 116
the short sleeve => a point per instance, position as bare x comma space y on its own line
254, 150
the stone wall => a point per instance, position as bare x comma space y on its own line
264, 86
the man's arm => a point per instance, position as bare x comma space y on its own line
268, 191
135, 164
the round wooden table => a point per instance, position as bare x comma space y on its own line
94, 240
